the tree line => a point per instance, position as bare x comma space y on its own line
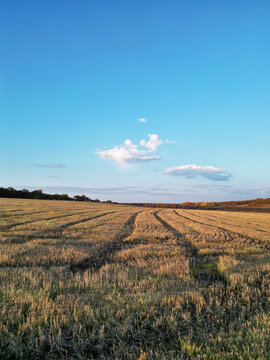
210, 205
10, 192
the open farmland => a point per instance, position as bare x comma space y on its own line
106, 281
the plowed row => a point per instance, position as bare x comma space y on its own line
104, 281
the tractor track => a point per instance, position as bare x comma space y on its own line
9, 226
104, 253
231, 233
189, 249
197, 263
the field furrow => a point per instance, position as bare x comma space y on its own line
48, 218
105, 281
215, 234
105, 252
260, 230
61, 244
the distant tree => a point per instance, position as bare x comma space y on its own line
81, 198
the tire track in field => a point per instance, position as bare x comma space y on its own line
104, 253
23, 214
198, 264
9, 226
189, 248
85, 220
13, 210
226, 221
230, 233
56, 232
218, 234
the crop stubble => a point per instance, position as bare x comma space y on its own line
105, 281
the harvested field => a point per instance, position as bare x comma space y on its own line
106, 281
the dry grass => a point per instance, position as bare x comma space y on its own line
101, 281
253, 225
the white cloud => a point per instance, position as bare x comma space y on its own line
189, 191
50, 165
153, 143
142, 120
130, 152
192, 171
253, 191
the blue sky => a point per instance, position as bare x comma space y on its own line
76, 76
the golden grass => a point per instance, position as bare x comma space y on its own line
103, 281
255, 226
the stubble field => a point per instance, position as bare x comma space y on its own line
105, 281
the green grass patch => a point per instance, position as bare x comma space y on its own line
208, 271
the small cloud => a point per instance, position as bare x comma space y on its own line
142, 120
50, 165
192, 171
131, 153
254, 191
153, 143
168, 141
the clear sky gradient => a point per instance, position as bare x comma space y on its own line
76, 77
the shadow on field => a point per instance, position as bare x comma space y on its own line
52, 233
9, 226
5, 215
201, 267
230, 234
104, 254
85, 220
188, 248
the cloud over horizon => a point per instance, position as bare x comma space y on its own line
142, 120
160, 192
51, 165
192, 171
132, 153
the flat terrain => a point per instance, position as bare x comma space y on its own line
100, 281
